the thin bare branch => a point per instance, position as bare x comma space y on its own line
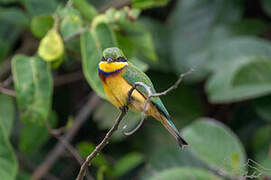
68, 78
100, 146
7, 91
56, 152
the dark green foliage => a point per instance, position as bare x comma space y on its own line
223, 109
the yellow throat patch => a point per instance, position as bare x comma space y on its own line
112, 66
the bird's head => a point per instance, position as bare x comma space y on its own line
113, 61
113, 54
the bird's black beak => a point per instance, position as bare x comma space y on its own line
109, 60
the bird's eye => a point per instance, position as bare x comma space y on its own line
103, 59
121, 59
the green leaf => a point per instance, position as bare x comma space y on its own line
37, 7
127, 163
86, 148
266, 5
221, 53
217, 146
14, 16
138, 37
87, 10
40, 25
34, 135
185, 173
92, 44
243, 79
71, 22
34, 87
8, 163
144, 4
160, 34
51, 47
6, 114
191, 15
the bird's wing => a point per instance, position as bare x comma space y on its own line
133, 75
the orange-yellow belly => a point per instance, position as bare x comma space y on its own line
116, 89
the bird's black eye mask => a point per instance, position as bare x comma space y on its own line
119, 59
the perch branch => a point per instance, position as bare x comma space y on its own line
55, 153
101, 145
150, 95
104, 142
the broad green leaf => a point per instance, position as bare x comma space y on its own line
40, 25
139, 64
8, 163
244, 78
37, 7
86, 148
127, 163
105, 36
34, 135
14, 16
229, 51
144, 4
92, 44
185, 173
6, 114
87, 10
266, 4
217, 146
191, 15
160, 33
140, 38
51, 47
106, 120
34, 87
71, 22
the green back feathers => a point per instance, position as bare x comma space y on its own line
133, 75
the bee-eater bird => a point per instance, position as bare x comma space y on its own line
118, 76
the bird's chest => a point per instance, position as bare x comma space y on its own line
116, 89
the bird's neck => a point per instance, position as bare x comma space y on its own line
111, 68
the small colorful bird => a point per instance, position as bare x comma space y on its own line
118, 76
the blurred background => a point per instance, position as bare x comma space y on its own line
52, 106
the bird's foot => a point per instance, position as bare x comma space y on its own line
124, 108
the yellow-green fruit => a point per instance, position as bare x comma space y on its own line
51, 46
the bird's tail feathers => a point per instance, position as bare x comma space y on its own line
168, 124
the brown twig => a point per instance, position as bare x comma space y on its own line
54, 154
100, 146
7, 91
121, 116
68, 78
